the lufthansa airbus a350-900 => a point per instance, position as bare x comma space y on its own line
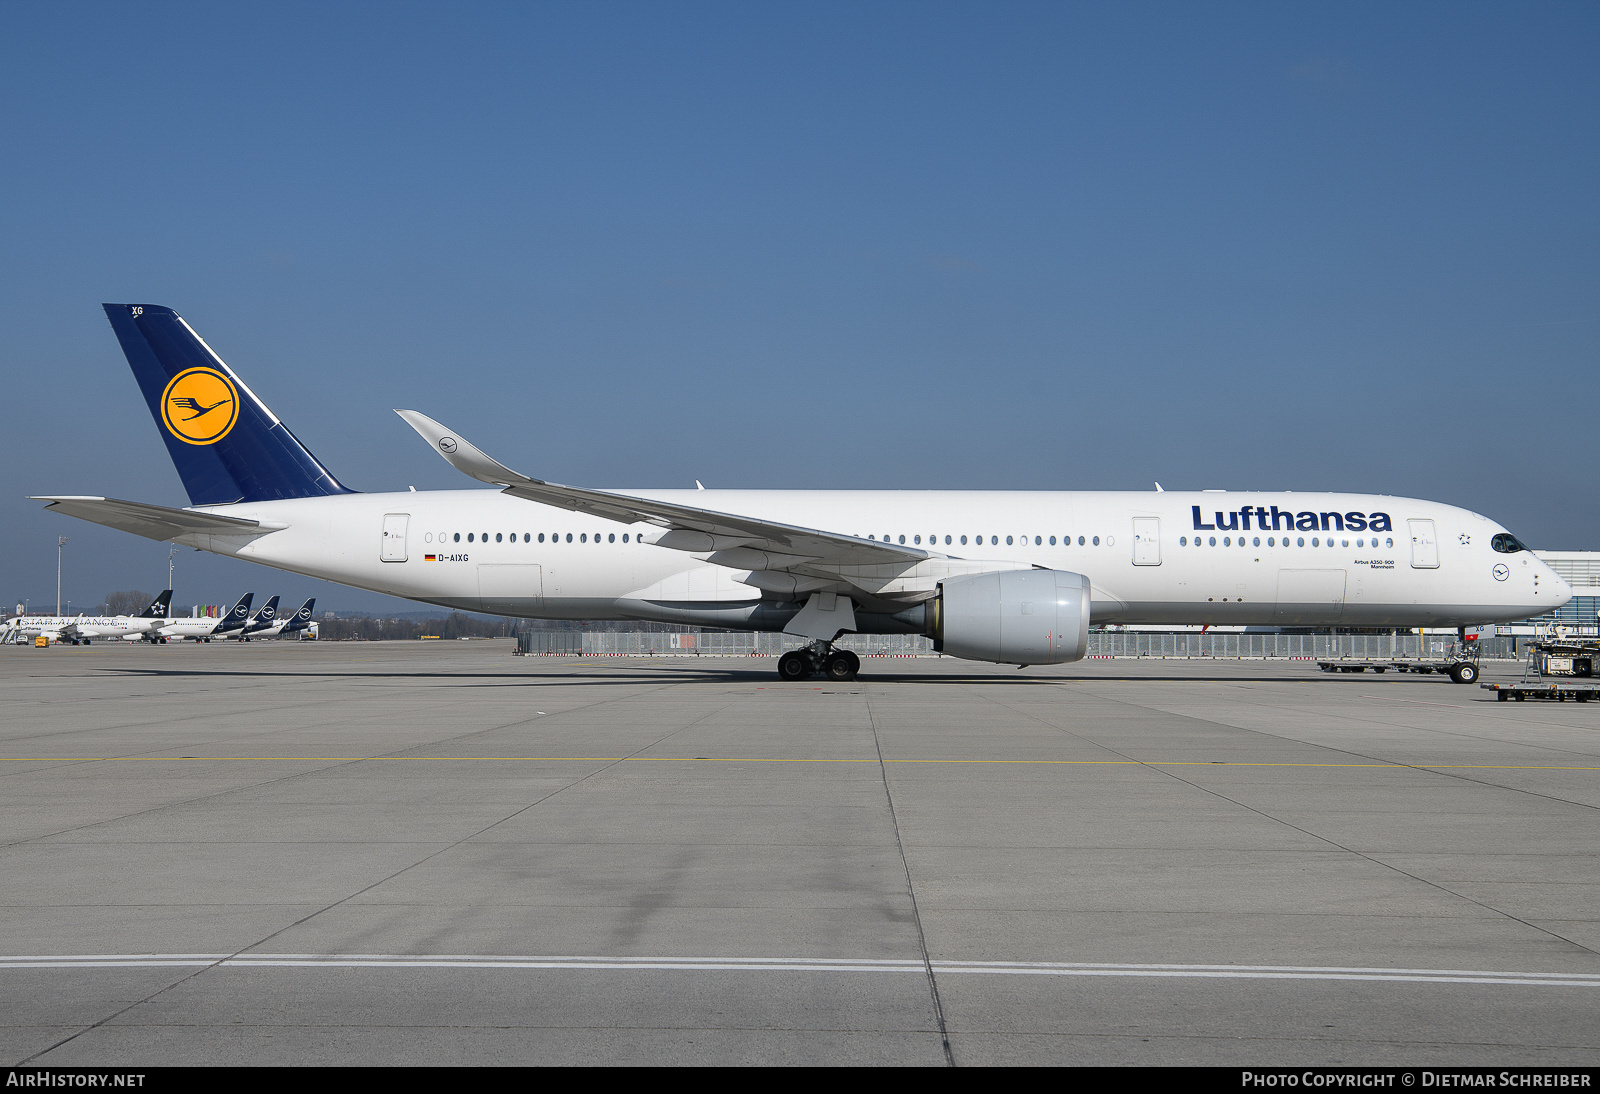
1004, 576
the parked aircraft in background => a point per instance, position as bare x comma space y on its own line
1008, 577
299, 621
83, 629
260, 622
274, 624
203, 628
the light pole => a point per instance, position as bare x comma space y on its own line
61, 541
171, 554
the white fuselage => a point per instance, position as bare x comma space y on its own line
58, 628
1148, 562
186, 627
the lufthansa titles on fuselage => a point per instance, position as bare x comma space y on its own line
1273, 519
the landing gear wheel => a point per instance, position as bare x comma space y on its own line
793, 666
841, 665
1464, 672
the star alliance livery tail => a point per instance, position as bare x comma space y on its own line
226, 444
158, 607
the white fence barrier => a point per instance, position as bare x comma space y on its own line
1306, 647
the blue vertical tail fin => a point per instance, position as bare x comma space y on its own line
226, 444
302, 618
238, 617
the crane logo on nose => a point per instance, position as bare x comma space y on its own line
1501, 571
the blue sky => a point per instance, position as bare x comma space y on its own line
1268, 246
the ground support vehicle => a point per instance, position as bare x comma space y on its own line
1557, 658
1462, 671
1460, 663
1551, 692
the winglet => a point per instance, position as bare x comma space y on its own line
460, 454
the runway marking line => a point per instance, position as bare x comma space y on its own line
802, 964
782, 760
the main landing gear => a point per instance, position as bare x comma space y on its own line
819, 659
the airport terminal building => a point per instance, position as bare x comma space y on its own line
1582, 571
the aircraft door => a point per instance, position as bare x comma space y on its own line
1147, 541
510, 588
1424, 545
394, 537
1310, 596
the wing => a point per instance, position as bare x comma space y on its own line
155, 521
730, 539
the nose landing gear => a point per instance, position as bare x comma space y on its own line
819, 658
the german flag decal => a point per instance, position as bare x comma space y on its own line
430, 558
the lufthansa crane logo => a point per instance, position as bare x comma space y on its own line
1501, 572
447, 444
199, 406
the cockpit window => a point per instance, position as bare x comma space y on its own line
1507, 544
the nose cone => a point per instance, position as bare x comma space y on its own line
1561, 586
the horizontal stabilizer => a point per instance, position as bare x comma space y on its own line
155, 521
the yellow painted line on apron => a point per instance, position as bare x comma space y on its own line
825, 760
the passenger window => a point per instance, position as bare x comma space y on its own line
1388, 543
947, 541
902, 539
469, 537
1097, 541
1212, 541
624, 537
1269, 541
499, 537
1080, 541
963, 541
1227, 541
1008, 541
1314, 542
612, 538
541, 537
1301, 542
994, 541
1256, 542
569, 537
458, 537
583, 537
1183, 541
1037, 541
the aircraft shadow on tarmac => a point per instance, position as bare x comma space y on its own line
657, 673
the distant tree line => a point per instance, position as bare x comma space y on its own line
455, 625
126, 602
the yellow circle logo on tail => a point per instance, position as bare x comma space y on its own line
199, 406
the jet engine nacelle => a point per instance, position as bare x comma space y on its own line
1016, 617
